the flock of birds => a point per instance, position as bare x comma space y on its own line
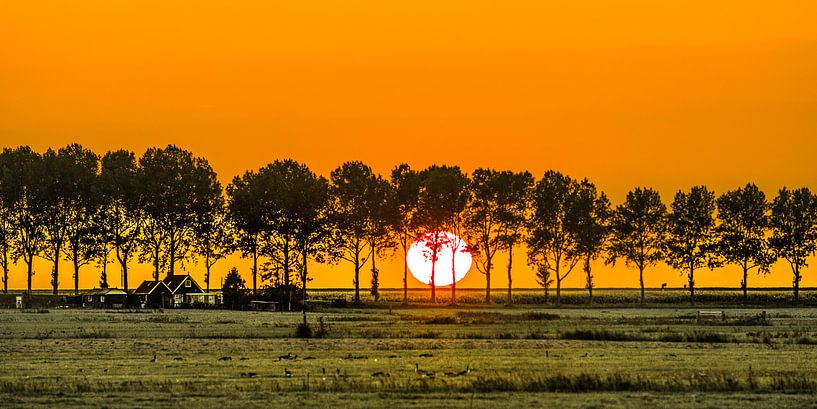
338, 375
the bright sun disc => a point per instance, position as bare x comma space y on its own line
419, 260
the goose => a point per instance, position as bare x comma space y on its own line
154, 358
422, 373
466, 371
287, 356
426, 355
287, 373
226, 358
381, 375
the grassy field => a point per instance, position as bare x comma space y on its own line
519, 356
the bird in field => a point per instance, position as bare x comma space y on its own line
154, 358
287, 373
464, 372
248, 374
226, 358
426, 355
422, 373
380, 375
288, 356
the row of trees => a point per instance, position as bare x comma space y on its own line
167, 208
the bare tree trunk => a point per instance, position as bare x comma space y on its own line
303, 280
745, 284
171, 270
796, 282
589, 278
641, 281
375, 275
691, 285
5, 271
30, 265
510, 263
76, 275
433, 265
453, 278
558, 286
55, 274
357, 273
254, 266
488, 281
405, 269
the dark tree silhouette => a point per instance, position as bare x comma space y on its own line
406, 183
233, 288
691, 239
743, 216
175, 186
245, 208
67, 179
384, 219
120, 213
82, 232
514, 206
495, 215
442, 199
588, 219
9, 196
351, 186
214, 236
25, 169
637, 231
552, 246
794, 230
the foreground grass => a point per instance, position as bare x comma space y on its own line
519, 357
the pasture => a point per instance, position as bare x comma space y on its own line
518, 356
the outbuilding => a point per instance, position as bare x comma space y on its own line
104, 298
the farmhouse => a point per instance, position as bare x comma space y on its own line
186, 291
153, 294
104, 298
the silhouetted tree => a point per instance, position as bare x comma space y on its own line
442, 199
82, 232
25, 168
794, 230
691, 239
384, 218
742, 231
9, 196
175, 186
214, 239
513, 214
120, 214
637, 231
552, 246
233, 288
588, 220
66, 182
247, 196
406, 183
350, 188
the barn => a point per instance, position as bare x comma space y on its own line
104, 298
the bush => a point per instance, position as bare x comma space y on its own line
303, 331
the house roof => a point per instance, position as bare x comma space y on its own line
105, 291
175, 282
148, 286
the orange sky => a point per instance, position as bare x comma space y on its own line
628, 92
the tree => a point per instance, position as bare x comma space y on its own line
406, 183
742, 231
514, 204
213, 235
233, 288
175, 188
384, 218
24, 168
794, 230
691, 239
552, 244
245, 208
637, 231
9, 196
82, 234
66, 188
350, 188
119, 216
588, 220
442, 198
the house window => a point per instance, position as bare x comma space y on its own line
101, 298
187, 283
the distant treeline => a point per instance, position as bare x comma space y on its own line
168, 208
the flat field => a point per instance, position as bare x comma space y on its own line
522, 356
